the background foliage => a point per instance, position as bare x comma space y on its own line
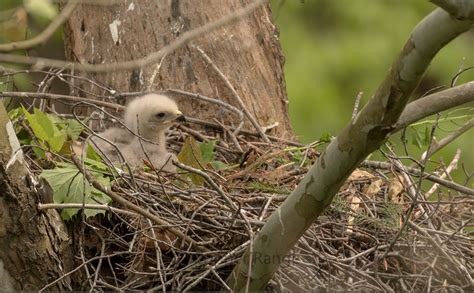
335, 49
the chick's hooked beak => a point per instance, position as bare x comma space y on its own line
180, 117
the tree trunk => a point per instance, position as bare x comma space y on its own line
30, 241
247, 52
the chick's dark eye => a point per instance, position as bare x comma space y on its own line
160, 115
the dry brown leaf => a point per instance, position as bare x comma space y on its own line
354, 206
360, 174
164, 239
373, 188
395, 191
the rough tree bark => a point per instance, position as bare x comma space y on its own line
34, 246
247, 52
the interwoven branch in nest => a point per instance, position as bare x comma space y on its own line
165, 233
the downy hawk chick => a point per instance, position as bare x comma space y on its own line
148, 117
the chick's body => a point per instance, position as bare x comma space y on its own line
148, 117
118, 136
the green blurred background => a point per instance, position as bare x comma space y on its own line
334, 49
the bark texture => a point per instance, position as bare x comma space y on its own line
247, 52
33, 245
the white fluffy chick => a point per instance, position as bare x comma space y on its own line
118, 136
148, 117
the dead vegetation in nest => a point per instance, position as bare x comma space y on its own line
388, 229
358, 244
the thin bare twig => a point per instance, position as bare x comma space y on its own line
218, 102
137, 63
438, 145
232, 135
234, 94
209, 180
416, 172
75, 99
117, 198
452, 166
151, 80
93, 2
45, 206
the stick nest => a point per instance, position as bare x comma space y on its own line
374, 236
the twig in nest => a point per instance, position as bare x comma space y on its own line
451, 166
243, 131
117, 198
433, 178
214, 101
192, 132
45, 206
448, 139
211, 182
232, 135
455, 263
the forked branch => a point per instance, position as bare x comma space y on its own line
364, 134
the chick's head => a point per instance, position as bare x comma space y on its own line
151, 114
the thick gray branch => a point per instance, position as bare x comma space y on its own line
460, 9
370, 128
436, 103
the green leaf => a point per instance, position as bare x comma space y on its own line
45, 123
71, 127
15, 113
325, 137
23, 137
469, 230
70, 186
74, 128
427, 138
207, 151
38, 149
41, 9
96, 165
92, 154
417, 140
57, 141
38, 130
45, 130
297, 156
218, 165
56, 138
190, 155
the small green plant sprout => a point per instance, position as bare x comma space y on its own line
199, 156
